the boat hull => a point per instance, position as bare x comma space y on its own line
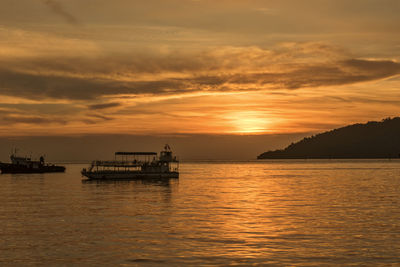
14, 168
105, 175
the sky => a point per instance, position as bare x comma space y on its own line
191, 69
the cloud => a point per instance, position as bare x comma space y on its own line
340, 73
35, 120
104, 106
100, 117
58, 9
51, 86
17, 114
290, 66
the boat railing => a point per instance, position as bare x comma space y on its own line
113, 163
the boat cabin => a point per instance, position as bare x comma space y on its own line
143, 162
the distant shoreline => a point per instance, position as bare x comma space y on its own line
328, 158
372, 140
231, 161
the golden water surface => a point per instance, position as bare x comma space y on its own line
283, 213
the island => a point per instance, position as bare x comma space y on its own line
359, 141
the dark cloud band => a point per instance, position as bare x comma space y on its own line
56, 77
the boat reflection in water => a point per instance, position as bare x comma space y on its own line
135, 165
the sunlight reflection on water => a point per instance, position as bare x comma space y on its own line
300, 213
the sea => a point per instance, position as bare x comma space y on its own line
261, 213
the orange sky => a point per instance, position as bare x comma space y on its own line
156, 67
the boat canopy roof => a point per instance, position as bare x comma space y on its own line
136, 153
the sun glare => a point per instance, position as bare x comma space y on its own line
248, 123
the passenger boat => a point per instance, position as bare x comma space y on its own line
135, 165
27, 165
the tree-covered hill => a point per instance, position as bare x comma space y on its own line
370, 140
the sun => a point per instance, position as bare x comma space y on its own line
248, 122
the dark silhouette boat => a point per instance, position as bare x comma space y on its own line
135, 165
27, 165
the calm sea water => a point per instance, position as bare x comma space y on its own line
296, 213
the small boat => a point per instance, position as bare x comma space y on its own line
135, 165
27, 165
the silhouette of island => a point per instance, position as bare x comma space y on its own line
371, 140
